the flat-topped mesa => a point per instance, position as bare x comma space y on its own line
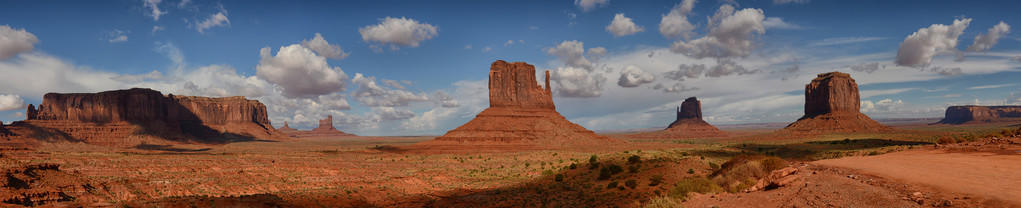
690, 108
513, 85
520, 113
980, 114
832, 104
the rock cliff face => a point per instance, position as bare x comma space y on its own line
111, 117
980, 114
520, 113
325, 130
832, 105
689, 122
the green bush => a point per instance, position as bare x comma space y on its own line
691, 171
633, 168
573, 166
559, 177
612, 184
714, 166
695, 184
593, 159
634, 159
662, 202
604, 174
631, 183
655, 180
615, 169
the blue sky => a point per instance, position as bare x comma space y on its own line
421, 67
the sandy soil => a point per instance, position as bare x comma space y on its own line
989, 172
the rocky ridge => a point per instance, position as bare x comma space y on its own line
980, 114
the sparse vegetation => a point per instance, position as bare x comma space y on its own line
631, 183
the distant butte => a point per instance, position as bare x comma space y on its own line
520, 113
832, 105
980, 114
689, 122
325, 130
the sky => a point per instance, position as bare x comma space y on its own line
421, 67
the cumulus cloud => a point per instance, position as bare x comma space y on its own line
866, 67
676, 88
623, 26
300, 72
729, 35
589, 5
393, 83
572, 53
444, 99
918, 48
323, 48
676, 24
884, 105
596, 53
371, 94
215, 20
726, 67
116, 36
985, 41
11, 102
154, 9
778, 23
395, 32
577, 82
13, 42
633, 76
686, 71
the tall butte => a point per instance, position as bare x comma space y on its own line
689, 122
520, 113
832, 104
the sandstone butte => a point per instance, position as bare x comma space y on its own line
832, 104
325, 130
980, 114
689, 122
520, 113
142, 116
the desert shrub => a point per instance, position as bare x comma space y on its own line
593, 162
773, 163
615, 169
604, 174
573, 166
633, 168
593, 159
547, 172
559, 177
714, 166
695, 184
662, 202
691, 171
946, 140
612, 184
634, 159
631, 183
655, 180
743, 171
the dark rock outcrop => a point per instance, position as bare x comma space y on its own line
520, 113
980, 114
832, 104
689, 123
324, 130
120, 117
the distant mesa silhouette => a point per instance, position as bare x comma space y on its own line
324, 130
832, 104
520, 113
689, 122
980, 114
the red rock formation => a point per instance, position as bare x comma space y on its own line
287, 129
832, 105
325, 130
111, 117
980, 114
520, 113
689, 122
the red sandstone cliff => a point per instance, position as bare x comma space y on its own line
832, 105
979, 114
520, 113
325, 130
129, 117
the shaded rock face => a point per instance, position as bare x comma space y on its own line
689, 123
690, 108
979, 114
112, 116
832, 104
520, 113
325, 130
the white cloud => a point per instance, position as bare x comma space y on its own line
445, 100
572, 53
127, 78
13, 42
623, 26
157, 28
589, 5
577, 82
472, 97
676, 24
323, 48
215, 20
393, 83
918, 48
947, 71
183, 4
726, 67
778, 23
509, 42
686, 71
300, 72
983, 42
633, 76
842, 40
789, 1
487, 49
1014, 99
116, 36
989, 86
371, 94
866, 67
11, 102
154, 10
884, 105
1015, 59
174, 54
397, 31
678, 87
729, 35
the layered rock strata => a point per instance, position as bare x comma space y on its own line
832, 104
980, 114
689, 122
520, 113
121, 117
